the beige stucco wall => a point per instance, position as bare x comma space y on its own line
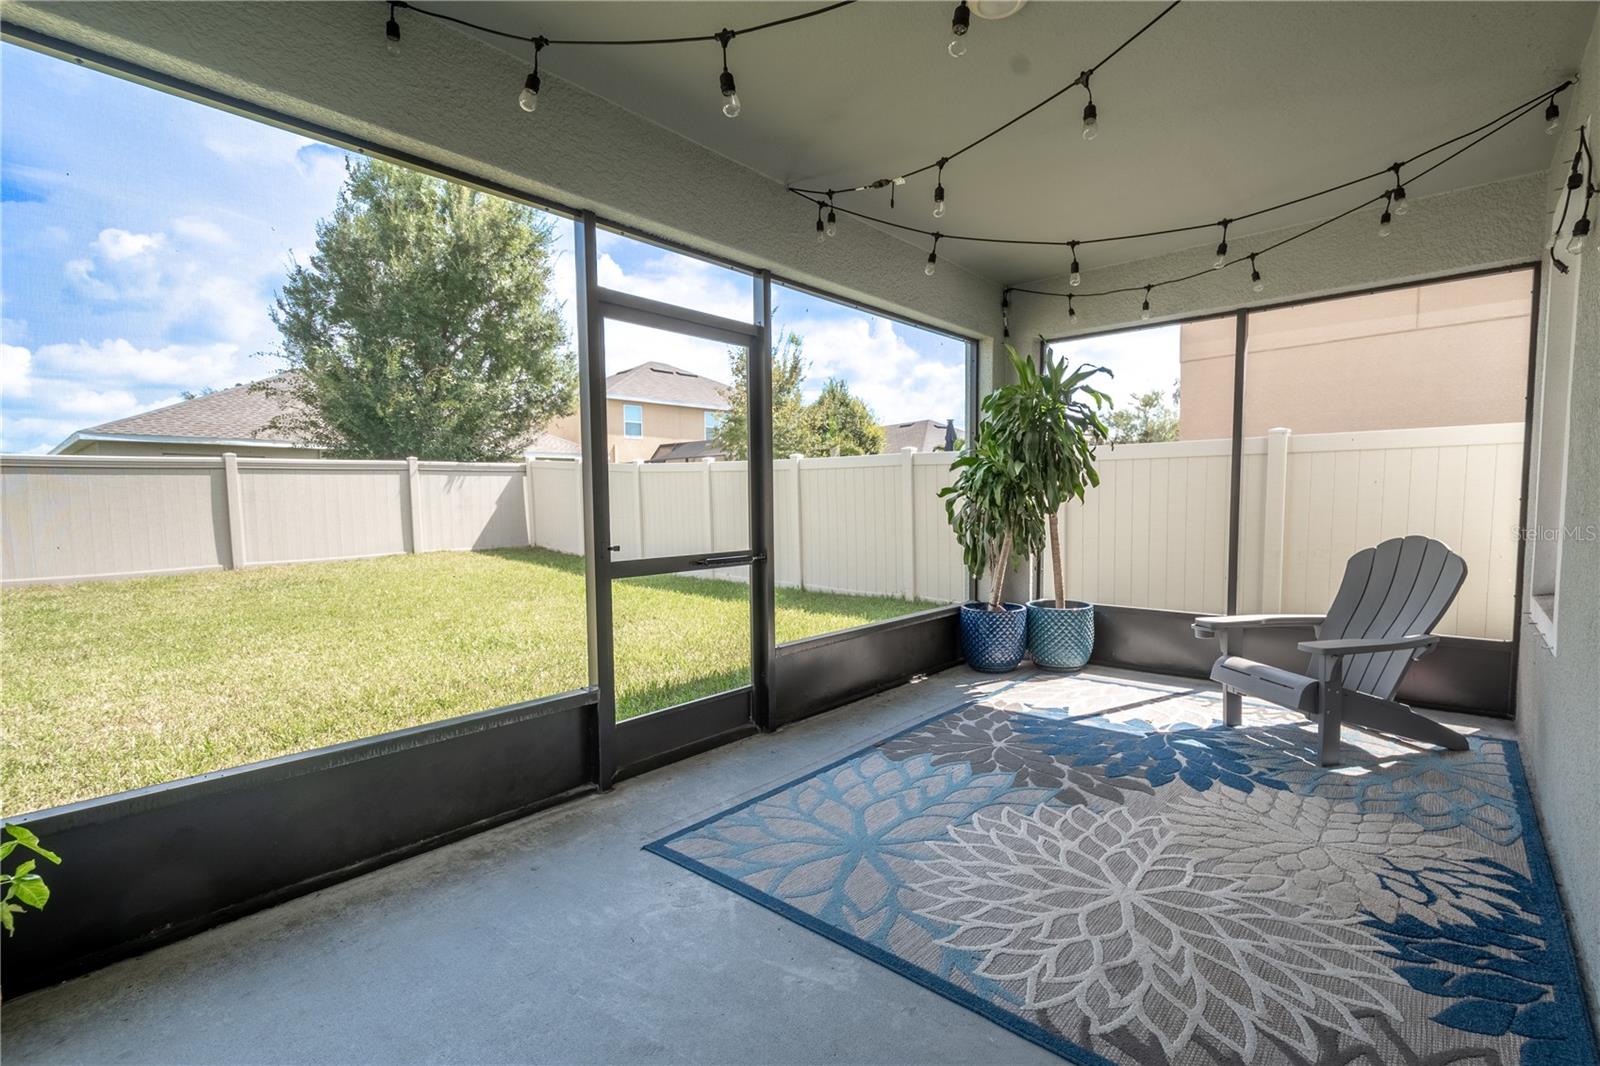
1362, 363
663, 424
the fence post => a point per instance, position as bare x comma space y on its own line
1274, 498
710, 514
638, 508
908, 515
798, 524
413, 493
230, 483
527, 501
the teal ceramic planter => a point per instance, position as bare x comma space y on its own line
1060, 638
994, 641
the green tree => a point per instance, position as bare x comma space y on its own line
1147, 420
791, 429
423, 324
844, 422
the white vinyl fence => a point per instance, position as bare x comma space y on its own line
1155, 533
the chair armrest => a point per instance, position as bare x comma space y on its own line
1420, 643
1209, 625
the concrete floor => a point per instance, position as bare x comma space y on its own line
555, 939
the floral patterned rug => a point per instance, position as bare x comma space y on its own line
1144, 886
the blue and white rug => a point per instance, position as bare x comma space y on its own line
1144, 887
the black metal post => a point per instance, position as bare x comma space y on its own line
596, 498
1241, 337
763, 594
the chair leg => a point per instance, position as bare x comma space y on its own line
1232, 708
1329, 713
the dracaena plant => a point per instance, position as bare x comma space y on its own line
21, 887
993, 509
1052, 421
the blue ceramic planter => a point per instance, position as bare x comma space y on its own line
994, 641
1060, 638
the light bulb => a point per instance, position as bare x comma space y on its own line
1552, 118
1385, 221
1072, 312
732, 107
938, 210
958, 29
1144, 312
1580, 236
1091, 122
938, 201
822, 232
1256, 284
391, 34
928, 270
528, 98
958, 47
832, 228
730, 92
1400, 205
1222, 257
1075, 278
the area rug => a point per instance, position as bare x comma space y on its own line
1148, 887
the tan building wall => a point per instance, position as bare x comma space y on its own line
1448, 354
663, 424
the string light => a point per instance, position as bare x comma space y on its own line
1398, 197
1072, 312
391, 33
1075, 273
528, 98
1144, 308
1552, 117
1005, 315
959, 23
730, 91
1386, 220
1222, 247
933, 257
822, 231
938, 192
832, 228
1580, 234
1091, 114
1256, 284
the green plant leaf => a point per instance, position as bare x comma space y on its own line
32, 890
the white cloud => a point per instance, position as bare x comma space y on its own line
16, 366
680, 280
1141, 360
202, 231
80, 272
898, 382
119, 362
71, 398
119, 244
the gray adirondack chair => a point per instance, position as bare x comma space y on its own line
1381, 619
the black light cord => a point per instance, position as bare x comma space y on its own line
1516, 112
1082, 79
615, 42
1483, 133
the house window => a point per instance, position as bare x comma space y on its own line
712, 419
632, 420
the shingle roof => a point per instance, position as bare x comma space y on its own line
654, 382
546, 443
925, 435
239, 413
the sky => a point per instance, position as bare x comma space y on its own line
145, 236
1140, 360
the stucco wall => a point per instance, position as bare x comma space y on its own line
447, 100
1558, 694
1316, 368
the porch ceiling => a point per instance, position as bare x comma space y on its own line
1222, 107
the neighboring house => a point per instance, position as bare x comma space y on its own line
923, 435
651, 405
229, 420
1318, 368
233, 420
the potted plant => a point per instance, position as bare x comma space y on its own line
1053, 418
994, 513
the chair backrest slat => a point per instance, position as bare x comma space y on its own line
1400, 588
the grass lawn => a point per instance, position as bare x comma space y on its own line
114, 685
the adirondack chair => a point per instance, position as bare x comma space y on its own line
1381, 619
